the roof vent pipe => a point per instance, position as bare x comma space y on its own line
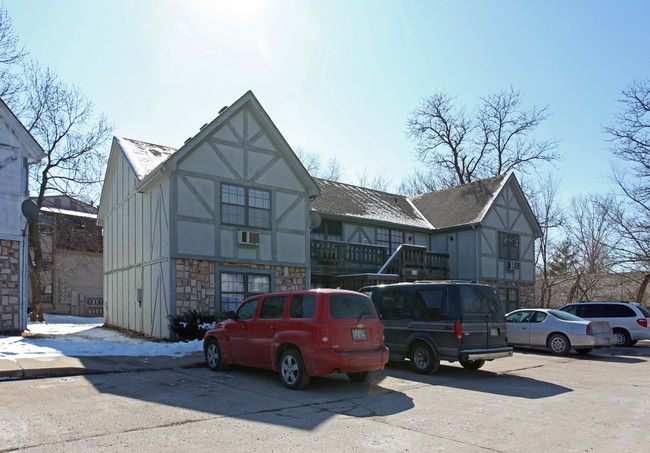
223, 109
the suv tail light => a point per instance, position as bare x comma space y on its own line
590, 331
643, 322
458, 330
323, 335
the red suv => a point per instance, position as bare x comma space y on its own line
300, 334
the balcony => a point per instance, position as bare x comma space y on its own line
332, 260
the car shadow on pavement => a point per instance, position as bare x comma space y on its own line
483, 381
632, 354
256, 395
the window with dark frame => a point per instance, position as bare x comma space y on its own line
235, 287
509, 297
245, 206
508, 246
328, 230
390, 238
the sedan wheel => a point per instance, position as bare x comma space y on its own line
292, 370
559, 344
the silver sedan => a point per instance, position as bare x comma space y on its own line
557, 330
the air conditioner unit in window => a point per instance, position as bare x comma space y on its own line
512, 265
248, 237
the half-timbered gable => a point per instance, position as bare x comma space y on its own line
202, 227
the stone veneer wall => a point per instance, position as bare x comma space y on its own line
9, 286
195, 286
289, 278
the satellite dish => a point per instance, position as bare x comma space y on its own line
314, 219
30, 210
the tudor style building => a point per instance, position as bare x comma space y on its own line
18, 149
234, 213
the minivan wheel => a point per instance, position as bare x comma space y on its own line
423, 359
213, 355
472, 364
292, 370
622, 337
559, 344
361, 376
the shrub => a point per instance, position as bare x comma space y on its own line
191, 325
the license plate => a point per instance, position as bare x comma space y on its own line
358, 334
494, 332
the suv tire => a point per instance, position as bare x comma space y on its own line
423, 359
622, 337
213, 355
292, 370
472, 364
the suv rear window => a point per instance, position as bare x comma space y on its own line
345, 306
302, 306
479, 301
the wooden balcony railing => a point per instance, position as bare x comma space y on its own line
408, 261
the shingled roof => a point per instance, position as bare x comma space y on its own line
351, 201
144, 157
460, 205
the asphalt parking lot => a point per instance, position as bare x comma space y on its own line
533, 401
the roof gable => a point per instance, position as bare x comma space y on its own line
18, 134
346, 200
461, 205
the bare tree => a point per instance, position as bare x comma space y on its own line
630, 136
377, 181
11, 55
460, 148
330, 170
595, 238
63, 121
550, 215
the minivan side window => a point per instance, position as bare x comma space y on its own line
272, 307
617, 311
477, 300
302, 306
429, 304
391, 305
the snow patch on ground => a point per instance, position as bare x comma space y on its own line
77, 336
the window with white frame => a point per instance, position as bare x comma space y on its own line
245, 206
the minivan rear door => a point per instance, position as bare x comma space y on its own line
484, 324
353, 323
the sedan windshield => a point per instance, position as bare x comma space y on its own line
565, 316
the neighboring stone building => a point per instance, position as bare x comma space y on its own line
18, 149
233, 213
72, 273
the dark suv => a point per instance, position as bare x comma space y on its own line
441, 320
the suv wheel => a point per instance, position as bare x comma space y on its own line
622, 337
361, 376
292, 370
472, 364
423, 359
559, 344
213, 355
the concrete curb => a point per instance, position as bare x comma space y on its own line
61, 366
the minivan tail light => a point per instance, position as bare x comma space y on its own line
458, 330
643, 322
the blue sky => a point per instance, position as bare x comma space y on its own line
341, 77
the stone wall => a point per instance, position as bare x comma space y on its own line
9, 286
289, 278
195, 286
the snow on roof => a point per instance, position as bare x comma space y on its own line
368, 204
142, 156
69, 212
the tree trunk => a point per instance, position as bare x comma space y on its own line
641, 293
35, 266
574, 288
